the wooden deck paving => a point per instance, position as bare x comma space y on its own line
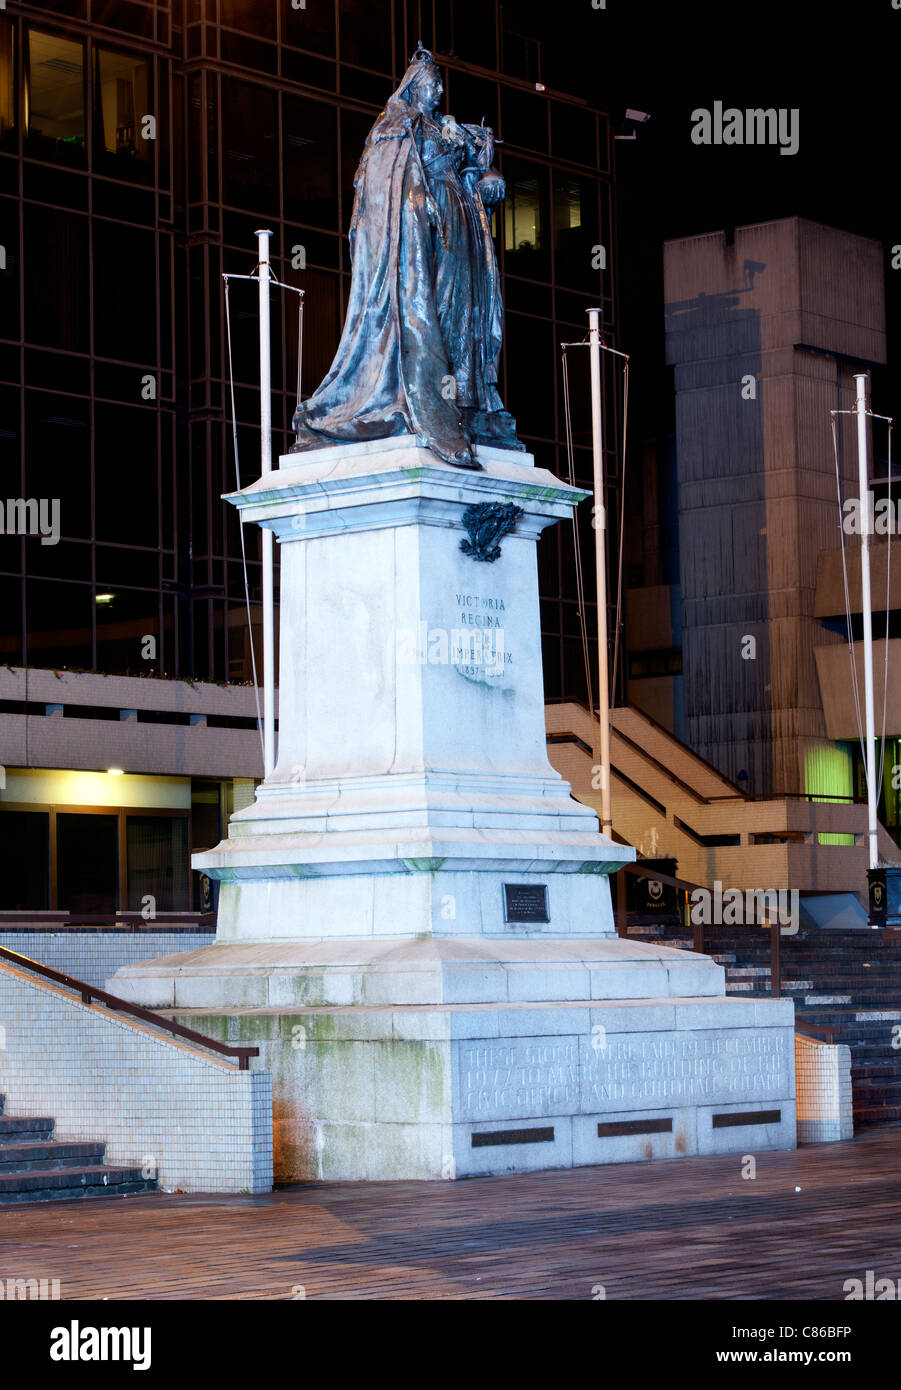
680, 1229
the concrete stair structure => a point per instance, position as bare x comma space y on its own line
35, 1167
848, 980
668, 802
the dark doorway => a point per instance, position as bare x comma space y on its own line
158, 863
87, 849
25, 881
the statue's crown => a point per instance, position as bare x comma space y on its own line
422, 55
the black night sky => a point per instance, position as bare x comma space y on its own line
836, 63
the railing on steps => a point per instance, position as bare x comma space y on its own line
697, 928
117, 921
91, 995
829, 1030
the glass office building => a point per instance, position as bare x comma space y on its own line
141, 146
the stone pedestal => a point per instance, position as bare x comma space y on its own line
415, 918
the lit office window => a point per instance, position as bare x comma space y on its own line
123, 99
525, 219
576, 233
55, 107
7, 88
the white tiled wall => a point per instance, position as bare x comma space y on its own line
199, 1122
94, 956
823, 1088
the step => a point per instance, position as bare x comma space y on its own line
58, 1184
876, 1115
25, 1127
21, 1156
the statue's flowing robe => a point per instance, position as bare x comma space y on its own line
412, 294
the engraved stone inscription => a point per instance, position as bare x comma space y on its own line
525, 1076
528, 1077
479, 637
686, 1069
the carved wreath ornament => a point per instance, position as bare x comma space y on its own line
486, 523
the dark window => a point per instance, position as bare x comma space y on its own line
9, 273
249, 147
58, 457
25, 881
312, 27
87, 862
120, 14
472, 37
56, 105
472, 99
522, 56
311, 178
573, 134
125, 618
157, 862
62, 560
126, 433
123, 564
56, 279
125, 266
577, 251
7, 87
248, 53
10, 606
58, 621
249, 16
530, 370
524, 118
365, 34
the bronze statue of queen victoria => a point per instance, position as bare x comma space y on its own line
422, 336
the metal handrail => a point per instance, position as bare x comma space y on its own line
90, 994
698, 944
828, 1030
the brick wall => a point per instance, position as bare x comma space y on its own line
95, 956
193, 1120
823, 1089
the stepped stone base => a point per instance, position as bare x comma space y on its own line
450, 1057
415, 922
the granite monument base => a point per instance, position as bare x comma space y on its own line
415, 919
453, 1057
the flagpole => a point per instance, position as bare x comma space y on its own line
266, 467
600, 533
863, 477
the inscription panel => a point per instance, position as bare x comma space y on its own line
525, 903
674, 1069
480, 638
517, 1078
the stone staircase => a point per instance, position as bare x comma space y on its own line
35, 1167
848, 979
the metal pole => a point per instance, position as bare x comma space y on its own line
266, 467
862, 380
600, 555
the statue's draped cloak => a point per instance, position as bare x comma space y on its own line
424, 319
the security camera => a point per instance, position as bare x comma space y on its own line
637, 115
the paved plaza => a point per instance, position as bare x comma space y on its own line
681, 1229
